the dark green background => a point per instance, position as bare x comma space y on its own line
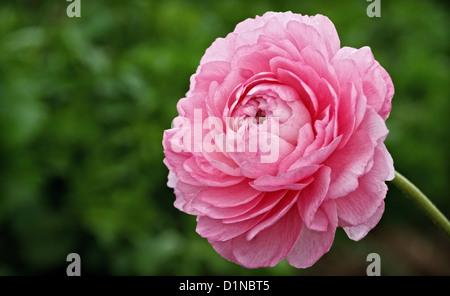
84, 102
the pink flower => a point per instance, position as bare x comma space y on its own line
324, 163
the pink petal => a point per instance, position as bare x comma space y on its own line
251, 165
311, 245
227, 212
358, 206
312, 196
320, 221
253, 57
185, 194
300, 77
305, 35
318, 156
304, 139
231, 196
270, 245
386, 107
318, 61
275, 214
216, 230
224, 248
377, 85
389, 162
352, 106
207, 73
222, 162
348, 164
172, 180
374, 125
360, 231
298, 175
220, 50
269, 200
208, 175
256, 57
327, 30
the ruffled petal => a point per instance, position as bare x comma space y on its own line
257, 252
311, 244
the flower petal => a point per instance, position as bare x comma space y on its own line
234, 195
360, 231
358, 206
216, 230
312, 196
348, 164
258, 252
311, 245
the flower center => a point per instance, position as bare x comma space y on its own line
255, 107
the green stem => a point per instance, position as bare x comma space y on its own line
430, 209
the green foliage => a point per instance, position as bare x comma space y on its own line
84, 102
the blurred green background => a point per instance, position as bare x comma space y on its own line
84, 102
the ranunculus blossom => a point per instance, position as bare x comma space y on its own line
279, 141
